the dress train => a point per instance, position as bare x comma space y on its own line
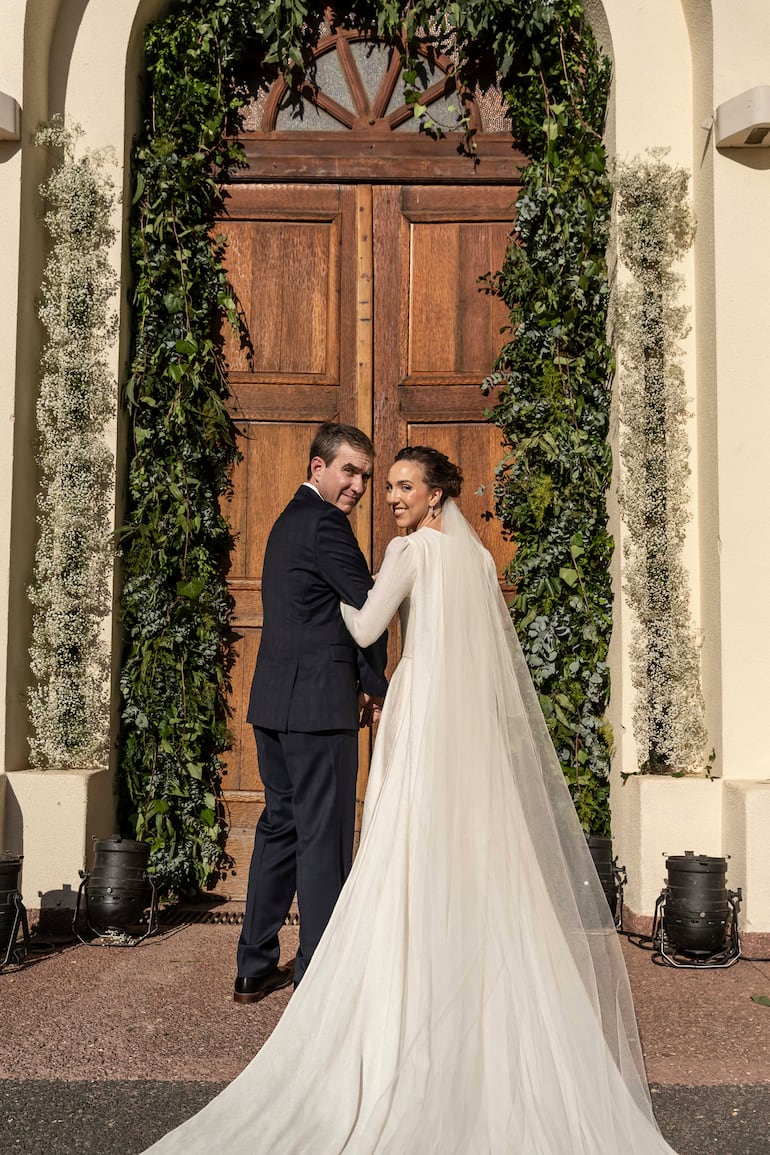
469, 996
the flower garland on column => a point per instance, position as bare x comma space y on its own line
71, 589
656, 228
553, 407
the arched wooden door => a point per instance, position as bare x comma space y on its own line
362, 303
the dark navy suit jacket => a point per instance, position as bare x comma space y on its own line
309, 669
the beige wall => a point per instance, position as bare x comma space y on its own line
39, 24
69, 59
705, 474
742, 300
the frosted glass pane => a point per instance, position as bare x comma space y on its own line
306, 117
426, 77
439, 110
330, 78
372, 61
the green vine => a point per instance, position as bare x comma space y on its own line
553, 408
175, 540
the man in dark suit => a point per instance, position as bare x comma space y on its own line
312, 689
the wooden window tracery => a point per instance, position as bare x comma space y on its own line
351, 120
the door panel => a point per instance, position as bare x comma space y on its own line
437, 334
453, 326
362, 304
297, 334
284, 250
286, 247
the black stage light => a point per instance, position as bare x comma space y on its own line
696, 916
611, 876
118, 891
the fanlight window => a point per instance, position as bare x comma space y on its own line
357, 85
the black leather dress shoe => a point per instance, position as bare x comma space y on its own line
253, 990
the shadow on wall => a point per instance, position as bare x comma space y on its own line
11, 820
52, 819
57, 908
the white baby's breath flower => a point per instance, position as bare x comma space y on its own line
655, 229
69, 703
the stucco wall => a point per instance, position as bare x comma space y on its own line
742, 299
652, 108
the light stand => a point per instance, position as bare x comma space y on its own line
13, 916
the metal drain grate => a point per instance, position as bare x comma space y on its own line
182, 916
188, 915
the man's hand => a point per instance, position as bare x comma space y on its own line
369, 709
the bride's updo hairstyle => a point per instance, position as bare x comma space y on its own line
439, 472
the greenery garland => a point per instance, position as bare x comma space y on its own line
553, 409
176, 542
71, 590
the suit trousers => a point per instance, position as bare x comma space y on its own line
303, 842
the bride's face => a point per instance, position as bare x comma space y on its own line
409, 496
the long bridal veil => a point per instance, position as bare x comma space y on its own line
495, 685
469, 996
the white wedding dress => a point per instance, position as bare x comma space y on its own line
469, 996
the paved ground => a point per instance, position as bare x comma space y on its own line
104, 1049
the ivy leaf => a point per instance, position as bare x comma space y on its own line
173, 303
140, 187
191, 589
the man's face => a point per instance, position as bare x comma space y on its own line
344, 480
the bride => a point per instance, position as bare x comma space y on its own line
469, 996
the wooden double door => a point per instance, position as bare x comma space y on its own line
363, 304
